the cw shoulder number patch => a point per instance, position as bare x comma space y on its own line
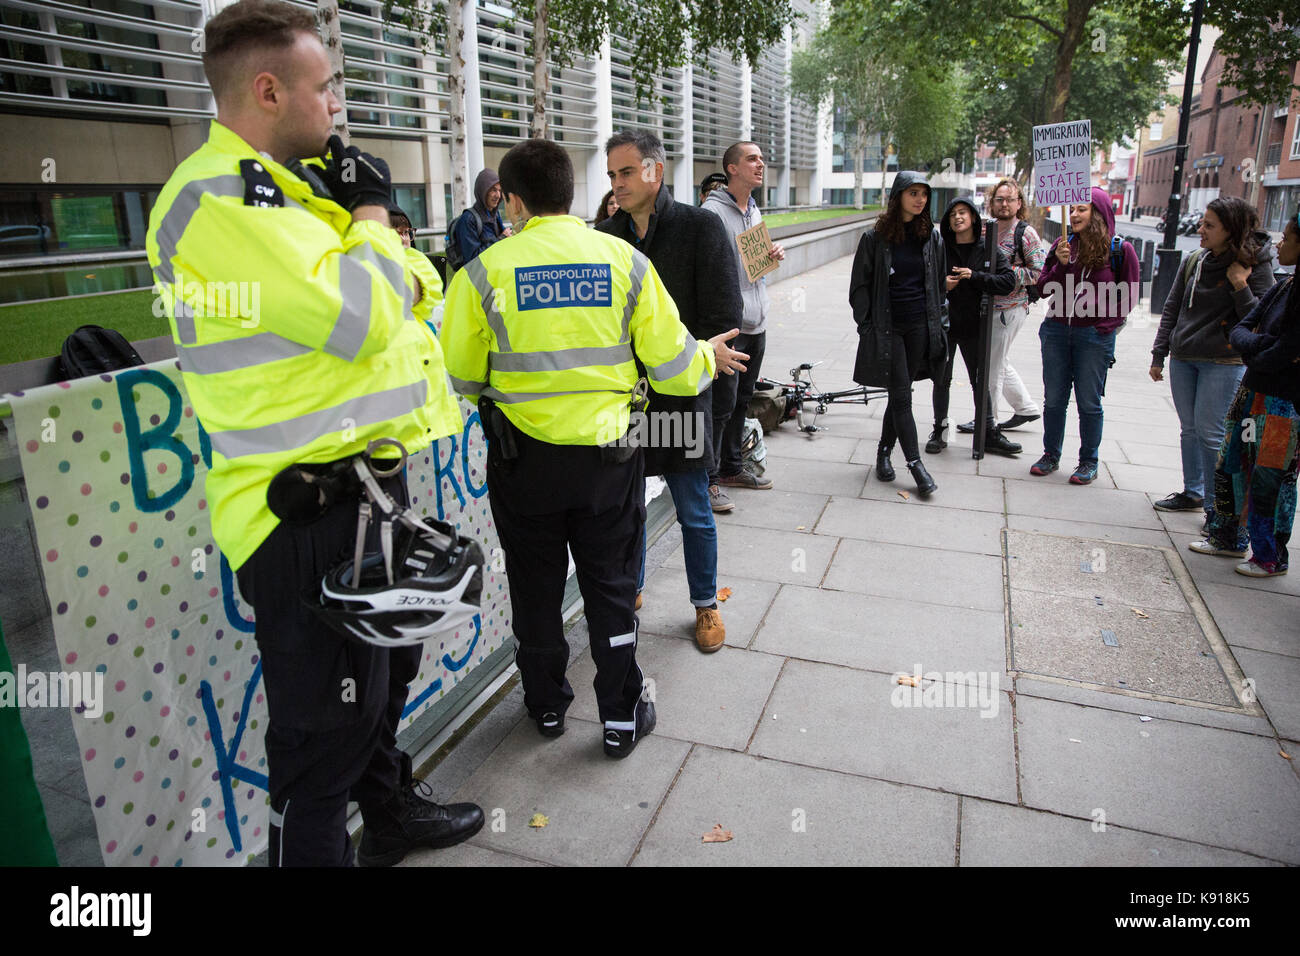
259, 188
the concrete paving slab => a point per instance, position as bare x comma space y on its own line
72, 828
1277, 685
598, 807
819, 447
1045, 839
1117, 534
1164, 653
967, 491
707, 698
666, 607
1116, 573
788, 815
1255, 619
1211, 786
1049, 498
958, 579
881, 634
814, 477
1236, 719
953, 529
842, 719
1157, 482
767, 555
55, 752
1154, 456
1151, 433
466, 854
777, 509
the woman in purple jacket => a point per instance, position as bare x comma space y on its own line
1088, 304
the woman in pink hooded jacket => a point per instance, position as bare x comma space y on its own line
1091, 286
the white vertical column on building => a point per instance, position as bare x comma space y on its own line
684, 168
746, 99
597, 177
783, 181
825, 154
473, 99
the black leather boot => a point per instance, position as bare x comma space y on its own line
884, 467
999, 444
925, 485
410, 820
938, 440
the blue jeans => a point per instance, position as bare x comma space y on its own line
1202, 393
1075, 357
690, 491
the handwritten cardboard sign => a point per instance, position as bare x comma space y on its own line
754, 245
1062, 159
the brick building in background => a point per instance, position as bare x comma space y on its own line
1234, 150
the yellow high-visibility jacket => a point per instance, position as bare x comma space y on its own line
546, 322
293, 325
430, 284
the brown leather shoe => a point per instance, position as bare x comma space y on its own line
709, 632
637, 605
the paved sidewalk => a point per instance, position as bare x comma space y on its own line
1159, 748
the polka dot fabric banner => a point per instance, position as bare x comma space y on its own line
174, 762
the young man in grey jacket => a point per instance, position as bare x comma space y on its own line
735, 206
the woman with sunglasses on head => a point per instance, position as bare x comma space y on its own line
1216, 286
1091, 287
900, 305
1255, 481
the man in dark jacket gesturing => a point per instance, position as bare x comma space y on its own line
691, 251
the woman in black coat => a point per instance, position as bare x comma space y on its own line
901, 310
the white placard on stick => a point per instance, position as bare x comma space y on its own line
1062, 161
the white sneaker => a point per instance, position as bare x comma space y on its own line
1206, 547
1253, 570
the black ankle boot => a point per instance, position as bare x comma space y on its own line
937, 442
884, 467
925, 485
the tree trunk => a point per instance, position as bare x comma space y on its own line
1076, 20
456, 105
861, 161
541, 70
327, 22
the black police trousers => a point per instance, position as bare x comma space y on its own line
334, 704
557, 495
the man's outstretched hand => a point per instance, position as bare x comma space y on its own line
729, 360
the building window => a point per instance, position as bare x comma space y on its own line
72, 220
1157, 132
1295, 138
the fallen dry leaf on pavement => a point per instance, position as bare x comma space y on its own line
904, 495
724, 594
1283, 753
717, 835
539, 820
908, 680
1140, 613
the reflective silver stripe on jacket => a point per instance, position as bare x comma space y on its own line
466, 386
182, 210
514, 398
560, 360
391, 270
303, 430
234, 354
479, 279
671, 369
353, 323
185, 322
639, 266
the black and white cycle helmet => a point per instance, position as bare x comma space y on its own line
425, 580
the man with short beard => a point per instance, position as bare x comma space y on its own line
691, 251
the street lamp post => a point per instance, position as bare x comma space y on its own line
1170, 258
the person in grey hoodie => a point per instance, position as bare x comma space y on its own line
1217, 285
481, 224
735, 206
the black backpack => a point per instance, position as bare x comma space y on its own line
93, 349
455, 257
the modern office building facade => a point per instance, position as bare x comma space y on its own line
100, 99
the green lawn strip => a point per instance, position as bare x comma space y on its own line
37, 329
810, 215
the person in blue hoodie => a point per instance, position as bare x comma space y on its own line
967, 284
480, 225
1255, 481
